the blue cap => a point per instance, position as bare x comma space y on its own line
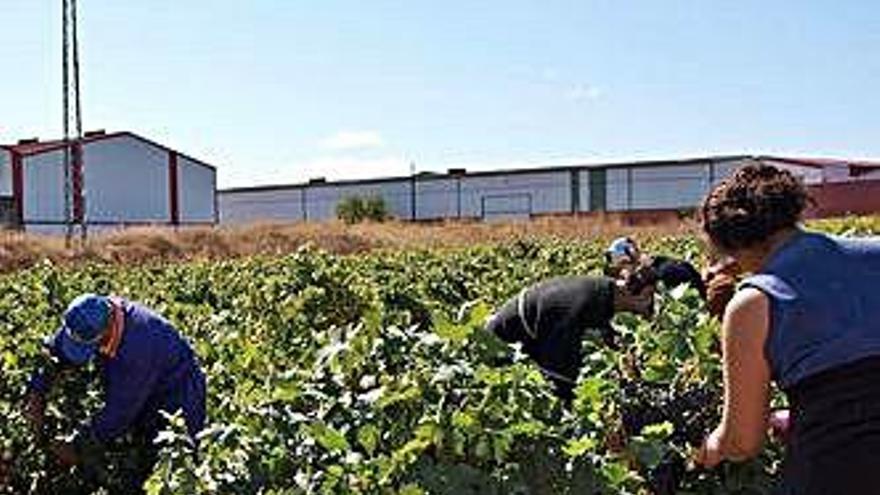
83, 327
622, 247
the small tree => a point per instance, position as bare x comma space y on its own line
349, 209
356, 209
375, 209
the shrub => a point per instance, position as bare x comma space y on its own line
356, 209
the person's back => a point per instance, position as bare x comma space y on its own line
824, 351
825, 294
149, 371
551, 319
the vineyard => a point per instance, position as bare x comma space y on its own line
371, 374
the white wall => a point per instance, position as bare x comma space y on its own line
550, 192
677, 186
810, 175
668, 187
867, 175
252, 206
584, 190
437, 199
837, 172
53, 230
196, 184
43, 176
515, 194
126, 180
616, 189
321, 200
5, 173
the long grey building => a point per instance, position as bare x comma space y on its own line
458, 194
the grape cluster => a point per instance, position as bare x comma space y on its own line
5, 470
666, 477
691, 414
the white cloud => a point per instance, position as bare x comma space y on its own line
583, 92
550, 74
353, 140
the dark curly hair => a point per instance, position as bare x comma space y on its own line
755, 202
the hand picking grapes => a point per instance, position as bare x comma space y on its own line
808, 319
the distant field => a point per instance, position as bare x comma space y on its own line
147, 245
138, 245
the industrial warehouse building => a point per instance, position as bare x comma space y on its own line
124, 180
641, 188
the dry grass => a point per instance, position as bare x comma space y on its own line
155, 244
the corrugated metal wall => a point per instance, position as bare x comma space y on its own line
439, 198
636, 187
252, 206
617, 190
584, 190
321, 200
126, 180
5, 172
43, 177
516, 194
196, 187
655, 188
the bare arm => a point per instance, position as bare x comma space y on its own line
746, 381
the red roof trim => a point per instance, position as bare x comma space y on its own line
166, 148
37, 148
49, 146
823, 162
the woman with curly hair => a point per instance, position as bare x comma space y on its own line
807, 318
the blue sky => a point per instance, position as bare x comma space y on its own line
281, 90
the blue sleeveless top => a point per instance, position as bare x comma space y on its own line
824, 297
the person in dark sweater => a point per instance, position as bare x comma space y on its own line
551, 319
623, 254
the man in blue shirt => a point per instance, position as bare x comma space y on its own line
146, 367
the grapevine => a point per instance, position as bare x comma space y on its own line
372, 374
